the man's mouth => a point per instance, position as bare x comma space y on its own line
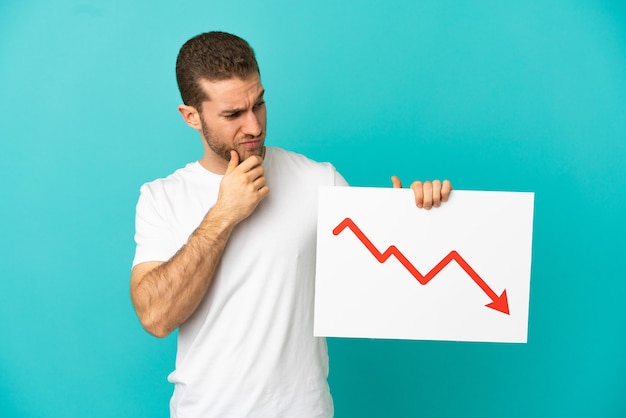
252, 143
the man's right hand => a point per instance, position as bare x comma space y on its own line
242, 188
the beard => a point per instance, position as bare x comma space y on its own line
222, 149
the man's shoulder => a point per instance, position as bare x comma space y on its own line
290, 167
282, 156
180, 179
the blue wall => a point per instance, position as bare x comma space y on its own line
495, 95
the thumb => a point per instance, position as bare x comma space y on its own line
396, 182
234, 161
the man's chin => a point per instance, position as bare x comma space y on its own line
248, 152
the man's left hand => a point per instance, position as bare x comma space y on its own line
428, 194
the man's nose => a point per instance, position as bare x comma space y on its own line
252, 125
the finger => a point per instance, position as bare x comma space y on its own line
234, 161
436, 193
259, 183
255, 173
263, 191
397, 184
250, 163
427, 189
419, 193
446, 188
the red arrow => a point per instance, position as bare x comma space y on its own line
499, 303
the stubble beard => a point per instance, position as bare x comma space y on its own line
222, 150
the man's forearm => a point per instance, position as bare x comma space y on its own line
165, 296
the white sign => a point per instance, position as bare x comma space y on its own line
387, 269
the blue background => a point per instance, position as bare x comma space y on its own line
495, 95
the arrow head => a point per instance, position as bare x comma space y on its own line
500, 303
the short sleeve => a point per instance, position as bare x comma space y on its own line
154, 238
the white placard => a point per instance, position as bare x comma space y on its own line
386, 269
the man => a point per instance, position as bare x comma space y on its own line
230, 263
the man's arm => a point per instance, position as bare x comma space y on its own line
427, 194
165, 294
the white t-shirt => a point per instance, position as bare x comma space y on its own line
249, 349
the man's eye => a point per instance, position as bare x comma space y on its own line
258, 105
233, 115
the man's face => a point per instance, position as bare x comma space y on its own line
234, 117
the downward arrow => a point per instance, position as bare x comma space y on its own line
499, 303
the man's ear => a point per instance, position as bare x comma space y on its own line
190, 116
